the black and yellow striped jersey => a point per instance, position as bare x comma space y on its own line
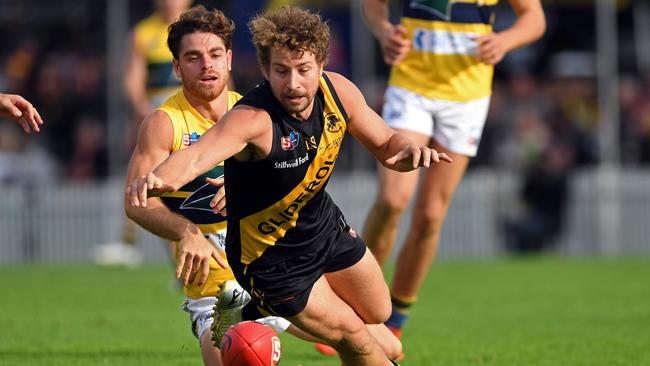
277, 206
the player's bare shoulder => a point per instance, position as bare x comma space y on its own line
340, 82
251, 120
156, 129
254, 126
348, 93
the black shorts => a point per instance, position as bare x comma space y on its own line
282, 289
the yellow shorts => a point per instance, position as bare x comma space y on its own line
215, 278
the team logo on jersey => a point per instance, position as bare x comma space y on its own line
441, 8
332, 122
190, 138
290, 142
352, 232
200, 199
310, 142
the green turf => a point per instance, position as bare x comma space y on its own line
544, 311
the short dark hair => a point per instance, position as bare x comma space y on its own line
290, 27
199, 19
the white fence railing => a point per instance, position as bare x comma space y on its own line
54, 224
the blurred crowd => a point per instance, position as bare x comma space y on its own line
55, 56
543, 118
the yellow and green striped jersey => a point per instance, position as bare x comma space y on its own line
151, 42
192, 201
442, 61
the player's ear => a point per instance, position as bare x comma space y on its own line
265, 72
177, 69
229, 56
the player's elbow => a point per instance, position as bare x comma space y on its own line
537, 24
129, 210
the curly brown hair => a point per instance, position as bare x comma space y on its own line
199, 19
290, 27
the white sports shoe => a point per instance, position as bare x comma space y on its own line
117, 254
230, 302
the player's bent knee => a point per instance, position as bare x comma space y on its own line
380, 310
391, 206
379, 314
429, 219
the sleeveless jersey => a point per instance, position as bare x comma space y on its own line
192, 201
277, 206
442, 61
151, 42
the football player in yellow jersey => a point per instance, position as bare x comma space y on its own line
288, 244
17, 108
149, 79
201, 44
442, 55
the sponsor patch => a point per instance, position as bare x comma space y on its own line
190, 138
290, 142
291, 163
444, 42
353, 233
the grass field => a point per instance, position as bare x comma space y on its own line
536, 311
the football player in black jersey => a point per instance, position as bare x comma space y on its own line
288, 244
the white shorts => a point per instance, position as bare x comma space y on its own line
202, 316
455, 125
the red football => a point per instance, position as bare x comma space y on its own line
250, 344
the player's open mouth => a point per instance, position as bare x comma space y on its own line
208, 79
294, 99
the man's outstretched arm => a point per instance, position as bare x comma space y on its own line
394, 150
17, 108
153, 146
225, 139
